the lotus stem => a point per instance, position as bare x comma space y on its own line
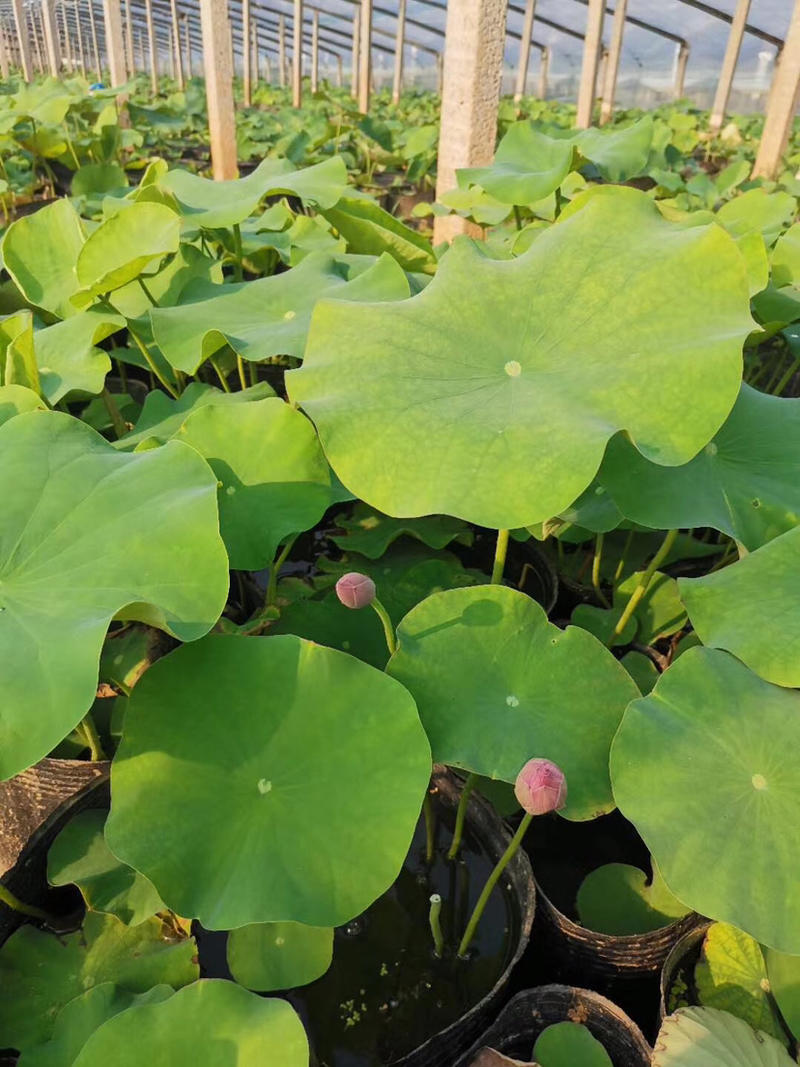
491, 882
436, 926
13, 902
146, 291
430, 827
786, 378
149, 360
92, 738
623, 558
117, 421
461, 813
240, 369
237, 245
644, 582
388, 628
272, 584
597, 560
223, 381
501, 548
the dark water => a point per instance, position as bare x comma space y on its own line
385, 992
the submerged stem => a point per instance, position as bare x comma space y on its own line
430, 826
13, 902
644, 582
461, 814
386, 622
501, 548
435, 924
491, 882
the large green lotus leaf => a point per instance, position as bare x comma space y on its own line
568, 1044
253, 816
708, 1037
80, 1017
270, 316
46, 103
785, 260
618, 899
497, 684
744, 482
370, 533
120, 249
205, 204
16, 399
750, 609
489, 397
273, 477
186, 267
86, 532
527, 166
40, 252
731, 975
40, 973
618, 154
269, 956
68, 357
211, 1023
758, 211
705, 768
784, 981
81, 856
162, 416
369, 230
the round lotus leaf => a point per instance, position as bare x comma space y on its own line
708, 1037
527, 166
81, 856
497, 684
492, 394
123, 246
568, 1044
40, 972
784, 982
39, 252
273, 478
618, 153
279, 809
87, 534
750, 609
79, 1018
617, 899
744, 482
268, 956
705, 768
211, 1023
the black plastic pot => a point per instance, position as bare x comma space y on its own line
686, 947
532, 1011
34, 807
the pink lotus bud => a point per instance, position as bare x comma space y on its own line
541, 787
355, 590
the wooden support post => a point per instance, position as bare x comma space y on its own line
282, 52
254, 52
544, 70
297, 54
612, 63
98, 69
247, 74
473, 67
33, 30
680, 70
315, 51
399, 49
354, 54
67, 37
339, 71
187, 39
151, 46
365, 56
524, 50
592, 45
218, 64
5, 70
176, 40
79, 34
21, 25
782, 103
720, 105
51, 42
129, 54
115, 46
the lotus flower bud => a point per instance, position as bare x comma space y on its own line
355, 590
541, 787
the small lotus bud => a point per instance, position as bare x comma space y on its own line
355, 590
541, 787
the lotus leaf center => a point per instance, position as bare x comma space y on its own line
513, 369
264, 786
512, 701
759, 781
711, 449
289, 315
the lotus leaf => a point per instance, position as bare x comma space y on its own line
707, 1037
786, 257
269, 956
743, 483
618, 154
705, 769
40, 252
528, 165
497, 684
617, 899
423, 408
208, 1024
750, 609
17, 360
80, 854
270, 316
758, 211
86, 532
275, 789
370, 533
67, 355
568, 1044
94, 179
784, 982
369, 230
16, 399
120, 249
40, 973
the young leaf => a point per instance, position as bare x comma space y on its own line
269, 956
617, 899
568, 1044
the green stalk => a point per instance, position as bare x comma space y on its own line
598, 557
435, 925
623, 558
461, 814
501, 548
223, 381
491, 882
146, 291
237, 245
386, 622
10, 901
148, 358
785, 379
92, 738
117, 421
240, 368
272, 584
644, 582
